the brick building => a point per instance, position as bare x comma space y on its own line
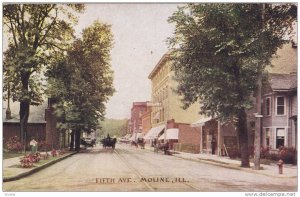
137, 111
146, 120
57, 139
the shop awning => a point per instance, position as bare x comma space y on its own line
171, 134
200, 122
153, 132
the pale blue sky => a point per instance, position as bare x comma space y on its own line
138, 29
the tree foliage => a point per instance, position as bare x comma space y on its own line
82, 82
114, 127
218, 51
38, 34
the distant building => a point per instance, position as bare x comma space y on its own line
146, 121
137, 111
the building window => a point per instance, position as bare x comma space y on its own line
268, 106
268, 136
280, 137
280, 105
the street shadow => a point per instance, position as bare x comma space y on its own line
97, 151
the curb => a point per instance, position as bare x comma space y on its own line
24, 174
231, 166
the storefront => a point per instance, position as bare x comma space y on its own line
216, 138
154, 133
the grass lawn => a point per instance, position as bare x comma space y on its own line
7, 155
43, 161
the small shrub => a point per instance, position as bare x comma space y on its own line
13, 144
234, 153
273, 156
44, 146
264, 153
61, 152
26, 162
54, 153
288, 155
36, 157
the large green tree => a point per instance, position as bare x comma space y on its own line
82, 81
37, 34
218, 51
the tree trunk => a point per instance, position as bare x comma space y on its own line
72, 140
24, 108
243, 137
24, 114
77, 139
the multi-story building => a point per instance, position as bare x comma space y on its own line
137, 111
280, 100
280, 111
146, 120
167, 115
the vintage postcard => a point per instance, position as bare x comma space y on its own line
150, 97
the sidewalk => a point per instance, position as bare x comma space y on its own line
289, 171
12, 169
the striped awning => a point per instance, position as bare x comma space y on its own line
170, 134
153, 132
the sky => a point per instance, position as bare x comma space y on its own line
140, 32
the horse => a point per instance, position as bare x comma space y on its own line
163, 147
133, 143
109, 142
141, 143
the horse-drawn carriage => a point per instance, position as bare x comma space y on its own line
109, 142
162, 147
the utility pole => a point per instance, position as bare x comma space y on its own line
258, 116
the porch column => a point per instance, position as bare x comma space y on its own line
219, 139
201, 139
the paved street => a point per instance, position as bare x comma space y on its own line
131, 169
